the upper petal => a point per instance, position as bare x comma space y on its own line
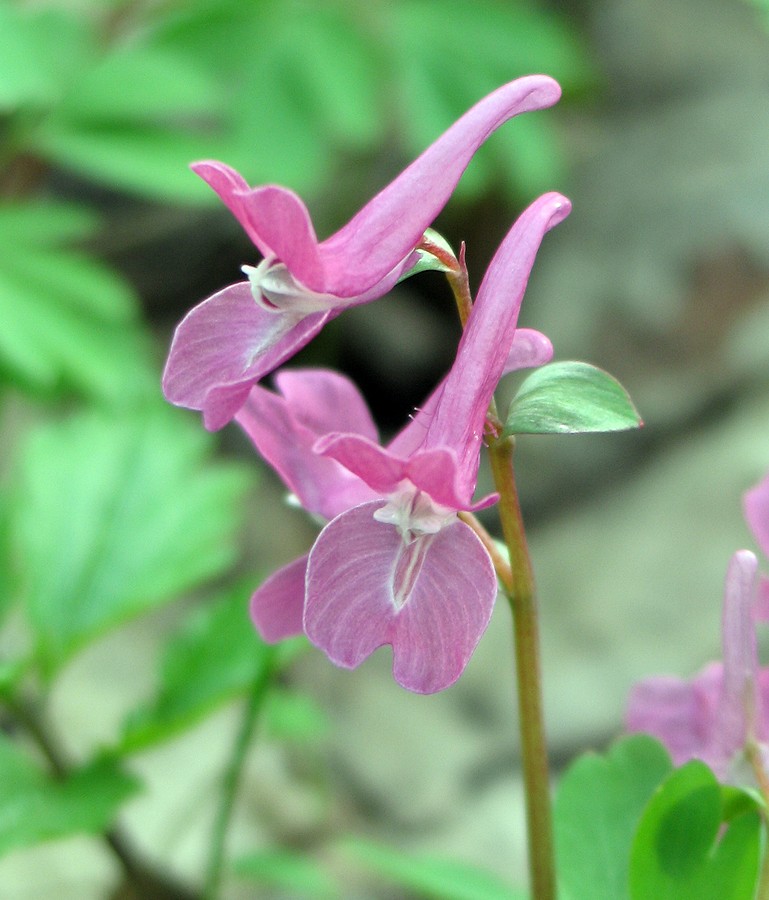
282, 223
323, 486
379, 468
274, 217
738, 702
224, 345
431, 599
756, 504
390, 226
488, 338
326, 401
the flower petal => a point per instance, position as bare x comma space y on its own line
390, 226
277, 605
280, 219
232, 188
323, 486
380, 469
738, 703
488, 338
326, 401
530, 349
756, 505
437, 632
431, 599
681, 714
224, 345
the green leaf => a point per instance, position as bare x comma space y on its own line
597, 808
293, 872
68, 322
141, 84
42, 48
294, 717
144, 158
443, 879
216, 656
680, 851
570, 398
114, 515
34, 807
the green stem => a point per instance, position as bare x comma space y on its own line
232, 776
140, 880
523, 604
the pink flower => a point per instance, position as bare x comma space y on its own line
234, 338
716, 714
756, 506
395, 565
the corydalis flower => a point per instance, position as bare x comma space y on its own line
725, 708
234, 338
756, 506
398, 566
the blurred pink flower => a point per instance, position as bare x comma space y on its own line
756, 506
716, 714
231, 340
395, 565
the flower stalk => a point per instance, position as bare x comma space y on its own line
254, 703
523, 603
517, 581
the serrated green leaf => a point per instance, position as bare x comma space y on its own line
599, 802
114, 515
68, 322
290, 871
570, 398
681, 851
442, 879
216, 656
35, 808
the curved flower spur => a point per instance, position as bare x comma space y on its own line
723, 710
396, 565
240, 334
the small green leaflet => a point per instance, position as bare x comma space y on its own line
35, 807
570, 398
682, 851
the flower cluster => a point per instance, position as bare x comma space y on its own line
394, 563
722, 713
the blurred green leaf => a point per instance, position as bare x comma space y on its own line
216, 656
597, 808
114, 515
291, 716
41, 49
293, 872
680, 851
570, 398
436, 58
139, 157
35, 808
67, 320
136, 84
442, 879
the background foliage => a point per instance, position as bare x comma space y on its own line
124, 637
